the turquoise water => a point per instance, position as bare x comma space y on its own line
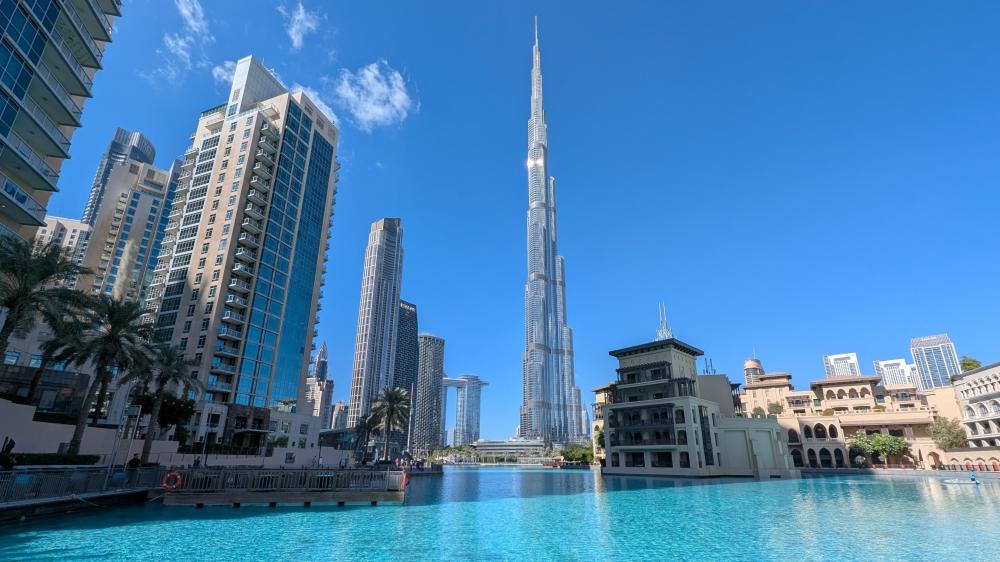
537, 514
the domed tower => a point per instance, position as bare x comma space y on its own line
753, 369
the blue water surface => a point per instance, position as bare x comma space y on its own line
540, 514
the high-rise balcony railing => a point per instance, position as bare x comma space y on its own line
264, 156
238, 285
257, 196
267, 146
236, 300
252, 225
35, 162
246, 254
59, 91
255, 211
44, 122
222, 348
94, 11
81, 30
269, 131
248, 239
60, 45
229, 333
260, 183
263, 170
233, 316
19, 205
242, 269
223, 367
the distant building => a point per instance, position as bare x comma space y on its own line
428, 405
70, 234
126, 146
378, 317
467, 401
935, 359
896, 372
753, 370
339, 415
842, 365
512, 448
321, 364
656, 421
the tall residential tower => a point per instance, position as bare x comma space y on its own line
49, 54
936, 361
238, 281
551, 407
378, 317
842, 365
427, 430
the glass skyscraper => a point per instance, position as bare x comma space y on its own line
935, 359
50, 51
238, 281
551, 408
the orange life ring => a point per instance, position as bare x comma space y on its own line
172, 481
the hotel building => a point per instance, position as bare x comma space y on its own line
978, 393
238, 281
657, 422
468, 393
896, 372
427, 416
49, 53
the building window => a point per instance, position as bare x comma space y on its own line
11, 357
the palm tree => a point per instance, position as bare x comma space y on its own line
29, 273
116, 343
171, 368
391, 412
68, 325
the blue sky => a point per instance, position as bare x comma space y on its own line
798, 178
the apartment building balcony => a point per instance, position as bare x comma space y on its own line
230, 315
18, 205
649, 442
257, 197
17, 156
242, 269
187, 166
226, 350
260, 183
190, 153
269, 131
251, 225
633, 424
246, 255
239, 286
214, 384
254, 211
78, 36
264, 156
34, 125
176, 212
50, 94
236, 300
60, 58
263, 170
267, 146
96, 21
229, 333
221, 367
248, 240
172, 226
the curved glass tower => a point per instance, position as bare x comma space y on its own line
551, 408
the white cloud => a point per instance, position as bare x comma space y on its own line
375, 95
299, 23
223, 73
193, 15
184, 49
316, 99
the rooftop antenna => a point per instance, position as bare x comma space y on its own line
663, 332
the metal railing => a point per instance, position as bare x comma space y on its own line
43, 483
297, 480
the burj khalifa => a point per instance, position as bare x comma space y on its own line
551, 409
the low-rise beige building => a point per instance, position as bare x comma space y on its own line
656, 421
818, 423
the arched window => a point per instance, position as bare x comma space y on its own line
796, 457
838, 457
841, 394
819, 431
808, 432
833, 433
830, 395
685, 460
996, 407
793, 436
811, 457
983, 411
682, 437
864, 392
852, 394
679, 416
825, 458
969, 412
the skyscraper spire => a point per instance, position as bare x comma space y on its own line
551, 409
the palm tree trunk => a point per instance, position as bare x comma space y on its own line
81, 419
6, 331
154, 424
36, 379
100, 399
385, 454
